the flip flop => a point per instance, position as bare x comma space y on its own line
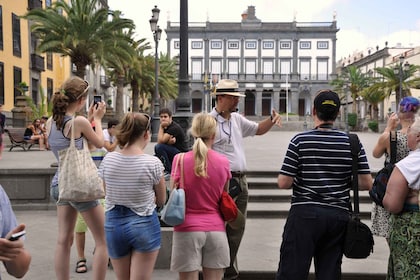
81, 266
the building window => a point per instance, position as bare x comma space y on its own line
233, 45
233, 69
250, 68
267, 70
196, 70
1, 28
17, 78
268, 45
285, 45
50, 89
47, 3
1, 83
196, 45
49, 61
322, 44
16, 35
305, 44
216, 44
176, 44
250, 45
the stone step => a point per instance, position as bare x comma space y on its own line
280, 210
257, 194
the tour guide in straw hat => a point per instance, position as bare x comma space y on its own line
232, 127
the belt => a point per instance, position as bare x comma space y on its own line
237, 174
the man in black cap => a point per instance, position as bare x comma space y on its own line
318, 166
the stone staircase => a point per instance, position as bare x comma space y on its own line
266, 200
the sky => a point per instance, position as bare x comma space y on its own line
363, 24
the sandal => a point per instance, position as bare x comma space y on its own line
81, 266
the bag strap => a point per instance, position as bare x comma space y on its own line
393, 146
355, 150
180, 161
181, 183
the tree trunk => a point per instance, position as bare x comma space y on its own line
119, 105
136, 95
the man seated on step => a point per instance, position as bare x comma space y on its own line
170, 141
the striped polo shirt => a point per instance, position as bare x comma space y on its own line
321, 163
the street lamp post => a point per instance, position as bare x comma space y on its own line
157, 32
400, 70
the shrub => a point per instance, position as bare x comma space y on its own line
352, 119
373, 126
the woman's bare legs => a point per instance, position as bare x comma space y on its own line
142, 265
95, 219
66, 216
190, 275
212, 273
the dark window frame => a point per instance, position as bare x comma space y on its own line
16, 42
1, 83
1, 28
17, 79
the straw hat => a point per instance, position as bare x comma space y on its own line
228, 87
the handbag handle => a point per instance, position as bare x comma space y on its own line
180, 161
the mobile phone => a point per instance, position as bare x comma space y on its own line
17, 235
96, 100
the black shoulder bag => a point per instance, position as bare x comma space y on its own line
358, 243
378, 190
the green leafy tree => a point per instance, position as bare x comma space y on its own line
353, 80
78, 29
374, 96
390, 81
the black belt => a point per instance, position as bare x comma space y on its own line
237, 174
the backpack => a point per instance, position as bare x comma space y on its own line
378, 190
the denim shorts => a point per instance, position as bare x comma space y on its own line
79, 206
126, 231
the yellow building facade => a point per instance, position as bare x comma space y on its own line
20, 64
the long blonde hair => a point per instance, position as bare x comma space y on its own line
203, 129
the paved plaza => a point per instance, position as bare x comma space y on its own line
260, 247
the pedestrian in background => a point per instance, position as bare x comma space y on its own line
66, 103
405, 116
134, 186
170, 141
200, 242
318, 167
232, 127
402, 200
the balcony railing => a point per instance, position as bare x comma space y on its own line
37, 62
34, 4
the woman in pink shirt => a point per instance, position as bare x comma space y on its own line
201, 242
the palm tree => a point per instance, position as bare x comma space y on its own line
79, 30
355, 80
374, 96
391, 81
168, 78
136, 70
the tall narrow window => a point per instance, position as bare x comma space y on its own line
233, 69
1, 83
1, 27
268, 69
49, 61
250, 68
216, 70
50, 89
17, 50
322, 68
17, 78
196, 70
305, 69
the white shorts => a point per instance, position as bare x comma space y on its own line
193, 250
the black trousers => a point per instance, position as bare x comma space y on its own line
312, 232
